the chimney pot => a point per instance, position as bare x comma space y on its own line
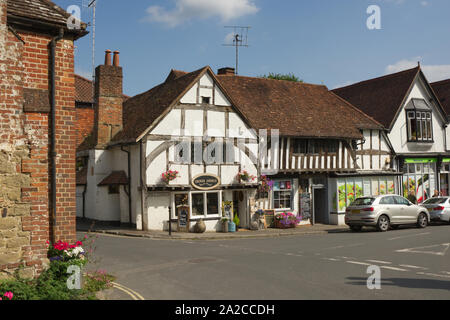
226, 71
116, 62
107, 57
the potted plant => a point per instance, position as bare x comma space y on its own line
169, 175
245, 177
225, 224
286, 220
236, 221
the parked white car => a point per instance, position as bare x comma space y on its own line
439, 208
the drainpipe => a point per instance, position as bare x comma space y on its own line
84, 201
129, 182
53, 44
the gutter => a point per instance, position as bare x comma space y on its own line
84, 201
53, 44
129, 182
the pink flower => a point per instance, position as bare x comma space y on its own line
9, 295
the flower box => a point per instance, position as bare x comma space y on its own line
280, 225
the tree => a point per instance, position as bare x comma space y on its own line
278, 76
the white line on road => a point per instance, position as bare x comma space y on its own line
393, 268
331, 259
411, 235
434, 275
412, 267
293, 254
379, 261
357, 262
444, 249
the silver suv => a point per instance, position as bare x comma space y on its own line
384, 212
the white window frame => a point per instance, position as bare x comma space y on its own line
292, 196
205, 204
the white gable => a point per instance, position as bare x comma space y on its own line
207, 89
398, 135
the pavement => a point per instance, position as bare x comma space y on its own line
85, 226
413, 264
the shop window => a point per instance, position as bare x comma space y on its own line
282, 194
420, 126
198, 204
180, 200
212, 200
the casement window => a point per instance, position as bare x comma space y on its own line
420, 126
419, 122
202, 204
311, 146
198, 150
283, 195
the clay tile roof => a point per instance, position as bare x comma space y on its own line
82, 176
442, 90
381, 97
139, 112
84, 92
40, 10
116, 177
296, 109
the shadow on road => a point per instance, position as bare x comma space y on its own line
405, 283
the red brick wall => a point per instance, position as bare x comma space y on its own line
24, 150
84, 123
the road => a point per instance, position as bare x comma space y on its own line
414, 264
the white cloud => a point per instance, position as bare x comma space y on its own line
432, 72
187, 10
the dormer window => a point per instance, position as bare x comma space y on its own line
419, 121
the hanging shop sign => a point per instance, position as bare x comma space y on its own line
205, 181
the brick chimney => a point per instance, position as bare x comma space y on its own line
108, 100
226, 71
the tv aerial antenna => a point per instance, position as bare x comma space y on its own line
92, 4
240, 39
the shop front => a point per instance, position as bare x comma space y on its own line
343, 190
420, 178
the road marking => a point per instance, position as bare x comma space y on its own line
444, 249
293, 254
446, 272
357, 262
411, 235
434, 275
393, 268
331, 259
379, 261
130, 292
412, 267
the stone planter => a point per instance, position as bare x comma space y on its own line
200, 226
225, 226
277, 224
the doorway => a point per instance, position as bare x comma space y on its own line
320, 208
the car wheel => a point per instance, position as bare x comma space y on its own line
383, 223
422, 221
355, 228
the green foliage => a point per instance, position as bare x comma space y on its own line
278, 76
236, 220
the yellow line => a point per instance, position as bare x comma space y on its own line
126, 291
140, 297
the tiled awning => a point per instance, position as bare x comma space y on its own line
116, 177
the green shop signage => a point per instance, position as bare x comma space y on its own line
421, 160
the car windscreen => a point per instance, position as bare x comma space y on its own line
362, 202
435, 201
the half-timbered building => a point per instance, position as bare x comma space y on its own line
416, 122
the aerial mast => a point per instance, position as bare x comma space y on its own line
240, 39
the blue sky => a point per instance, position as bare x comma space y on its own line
321, 41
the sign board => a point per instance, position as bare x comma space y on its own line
205, 181
305, 206
184, 218
269, 216
227, 210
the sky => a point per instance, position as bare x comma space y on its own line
320, 41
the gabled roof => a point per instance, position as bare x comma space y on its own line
442, 90
116, 177
141, 111
296, 109
381, 97
44, 11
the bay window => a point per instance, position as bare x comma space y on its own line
419, 121
283, 194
